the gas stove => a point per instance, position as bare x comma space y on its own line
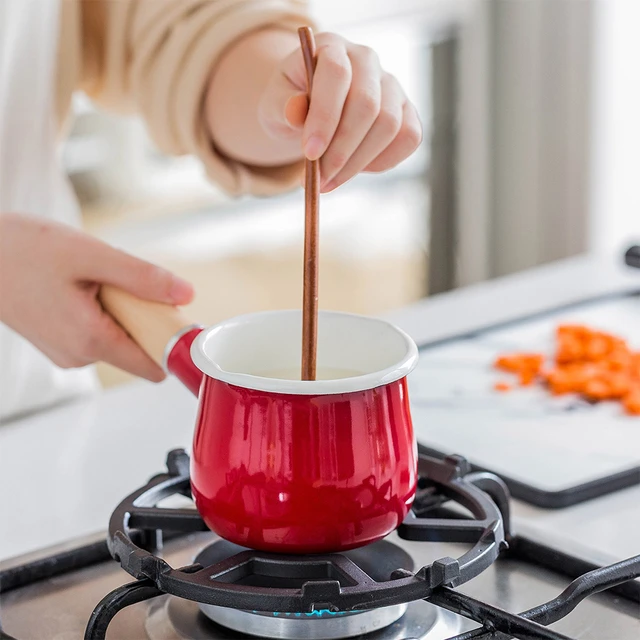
468, 562
405, 587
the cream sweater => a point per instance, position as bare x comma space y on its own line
154, 58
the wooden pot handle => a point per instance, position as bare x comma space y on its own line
151, 324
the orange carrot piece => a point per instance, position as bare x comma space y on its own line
569, 349
596, 364
517, 362
598, 390
631, 403
527, 378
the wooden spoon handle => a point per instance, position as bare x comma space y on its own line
311, 223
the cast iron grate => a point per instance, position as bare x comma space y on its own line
337, 582
218, 584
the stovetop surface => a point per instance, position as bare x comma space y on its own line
90, 434
58, 609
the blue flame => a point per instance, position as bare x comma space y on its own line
318, 613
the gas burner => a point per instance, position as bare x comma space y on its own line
326, 625
374, 590
377, 560
180, 619
241, 587
172, 618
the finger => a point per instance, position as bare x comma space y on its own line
360, 112
379, 137
115, 347
98, 262
91, 334
331, 82
405, 143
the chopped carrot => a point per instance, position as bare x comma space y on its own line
620, 360
570, 349
560, 381
519, 362
527, 378
579, 330
595, 364
631, 403
619, 385
597, 390
597, 348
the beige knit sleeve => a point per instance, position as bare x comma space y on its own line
155, 57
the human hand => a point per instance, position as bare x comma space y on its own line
50, 276
359, 118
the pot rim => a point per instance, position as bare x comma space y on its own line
396, 371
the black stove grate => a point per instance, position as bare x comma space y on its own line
219, 583
501, 625
138, 526
441, 481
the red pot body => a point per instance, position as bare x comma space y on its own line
303, 474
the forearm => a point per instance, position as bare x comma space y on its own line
235, 89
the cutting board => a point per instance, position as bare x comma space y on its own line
553, 451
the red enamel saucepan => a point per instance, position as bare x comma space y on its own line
280, 464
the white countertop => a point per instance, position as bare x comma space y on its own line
63, 471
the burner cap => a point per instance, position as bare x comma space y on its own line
378, 560
326, 625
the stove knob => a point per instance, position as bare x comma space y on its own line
632, 257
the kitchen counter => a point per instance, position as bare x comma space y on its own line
64, 470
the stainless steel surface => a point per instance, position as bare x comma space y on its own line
174, 619
60, 608
329, 626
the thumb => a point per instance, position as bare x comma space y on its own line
283, 108
106, 265
296, 109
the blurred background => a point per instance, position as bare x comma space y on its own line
531, 111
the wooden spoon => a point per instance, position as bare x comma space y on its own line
311, 206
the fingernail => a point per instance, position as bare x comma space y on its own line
181, 291
295, 111
314, 147
330, 186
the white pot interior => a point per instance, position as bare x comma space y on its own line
263, 351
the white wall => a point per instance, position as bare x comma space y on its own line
616, 151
